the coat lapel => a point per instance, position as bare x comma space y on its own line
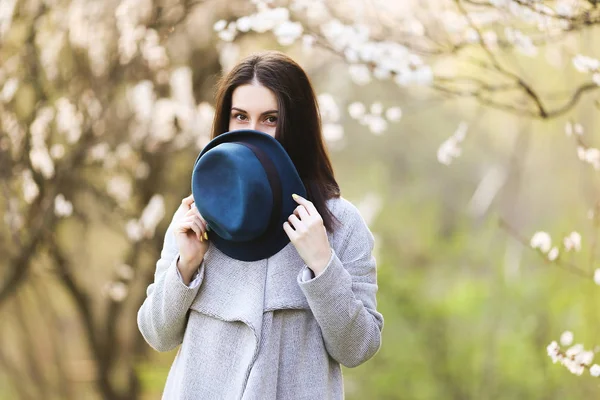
232, 290
282, 290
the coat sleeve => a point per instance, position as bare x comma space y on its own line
343, 297
163, 315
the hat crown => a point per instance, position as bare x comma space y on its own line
233, 181
242, 183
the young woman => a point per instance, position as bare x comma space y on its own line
277, 328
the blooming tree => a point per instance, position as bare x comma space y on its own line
96, 105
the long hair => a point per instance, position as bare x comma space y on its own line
298, 125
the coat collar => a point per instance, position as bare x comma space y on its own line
234, 290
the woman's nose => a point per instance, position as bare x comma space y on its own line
253, 125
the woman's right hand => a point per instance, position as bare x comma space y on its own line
190, 235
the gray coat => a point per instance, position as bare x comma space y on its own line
266, 329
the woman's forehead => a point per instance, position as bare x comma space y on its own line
254, 98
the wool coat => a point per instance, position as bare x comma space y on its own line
266, 329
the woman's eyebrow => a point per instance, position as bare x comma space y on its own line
246, 112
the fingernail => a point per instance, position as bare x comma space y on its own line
205, 235
295, 196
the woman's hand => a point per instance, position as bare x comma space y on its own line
190, 235
306, 231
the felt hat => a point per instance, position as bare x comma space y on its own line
242, 184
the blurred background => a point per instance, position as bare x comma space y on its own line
459, 128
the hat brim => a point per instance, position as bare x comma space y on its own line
276, 239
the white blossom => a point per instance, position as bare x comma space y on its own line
308, 42
30, 188
125, 272
595, 370
287, 32
585, 64
124, 151
589, 155
181, 86
553, 254
221, 24
99, 151
162, 127
381, 73
541, 240
41, 161
62, 207
228, 34
228, 55
554, 351
569, 129
116, 291
572, 242
360, 74
119, 188
356, 110
68, 120
585, 357
134, 230
566, 339
333, 132
57, 151
597, 276
39, 126
152, 51
6, 14
376, 108
131, 16
393, 114
490, 38
450, 149
9, 89
153, 213
142, 98
376, 123
329, 109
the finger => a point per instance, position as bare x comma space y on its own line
194, 224
194, 211
310, 207
301, 212
199, 229
289, 230
188, 200
207, 228
295, 222
184, 227
200, 223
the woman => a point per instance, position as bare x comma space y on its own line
277, 328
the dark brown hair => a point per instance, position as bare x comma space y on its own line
298, 125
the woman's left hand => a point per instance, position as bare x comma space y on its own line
307, 233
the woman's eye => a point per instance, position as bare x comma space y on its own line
239, 117
271, 119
